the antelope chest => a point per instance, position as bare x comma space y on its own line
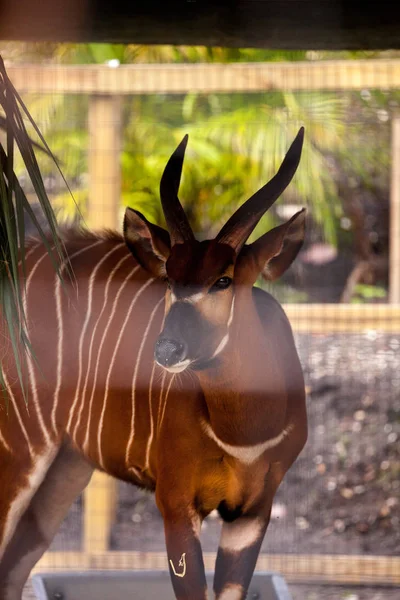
232, 487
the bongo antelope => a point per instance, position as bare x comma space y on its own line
162, 365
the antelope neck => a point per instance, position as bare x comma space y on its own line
244, 391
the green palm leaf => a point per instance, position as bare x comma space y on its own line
13, 203
256, 138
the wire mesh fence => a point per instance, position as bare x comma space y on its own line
112, 128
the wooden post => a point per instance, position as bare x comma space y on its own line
394, 252
104, 164
100, 501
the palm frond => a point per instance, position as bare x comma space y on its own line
13, 203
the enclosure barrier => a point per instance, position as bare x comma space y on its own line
330, 75
101, 585
106, 85
305, 568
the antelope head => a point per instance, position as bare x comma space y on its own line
203, 277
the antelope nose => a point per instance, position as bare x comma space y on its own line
170, 352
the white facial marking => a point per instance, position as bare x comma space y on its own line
178, 368
165, 402
231, 313
192, 298
225, 339
149, 441
241, 534
221, 345
232, 591
160, 402
247, 454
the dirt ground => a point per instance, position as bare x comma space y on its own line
342, 496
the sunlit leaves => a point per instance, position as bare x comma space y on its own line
13, 203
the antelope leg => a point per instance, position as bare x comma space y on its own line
241, 541
185, 557
237, 556
65, 479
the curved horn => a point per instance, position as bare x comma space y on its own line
238, 228
177, 222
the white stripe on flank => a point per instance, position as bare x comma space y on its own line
60, 327
136, 473
2, 439
130, 442
247, 454
29, 253
149, 441
14, 402
32, 379
106, 290
96, 369
57, 294
100, 429
4, 443
84, 328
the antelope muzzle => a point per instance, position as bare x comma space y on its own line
180, 342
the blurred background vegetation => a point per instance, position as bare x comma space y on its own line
236, 142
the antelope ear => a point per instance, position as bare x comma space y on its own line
149, 244
273, 253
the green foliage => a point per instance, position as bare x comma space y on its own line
102, 53
13, 203
366, 293
236, 140
255, 137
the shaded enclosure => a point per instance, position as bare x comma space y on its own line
306, 24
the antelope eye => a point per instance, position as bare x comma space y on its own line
221, 284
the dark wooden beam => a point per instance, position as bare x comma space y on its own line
280, 24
